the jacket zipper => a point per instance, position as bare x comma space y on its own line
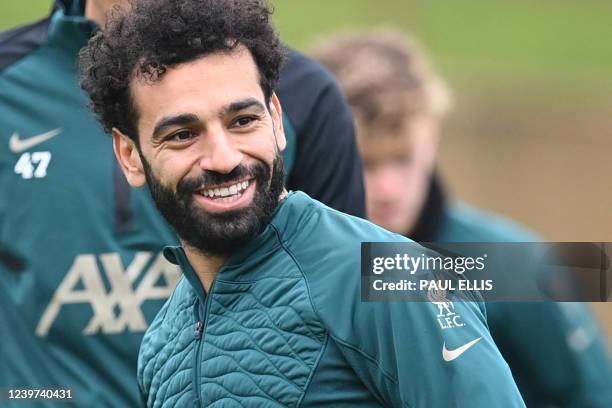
199, 334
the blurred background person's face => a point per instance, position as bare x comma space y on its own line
398, 103
398, 164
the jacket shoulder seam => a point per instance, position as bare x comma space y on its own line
314, 369
303, 275
297, 264
367, 356
318, 314
315, 311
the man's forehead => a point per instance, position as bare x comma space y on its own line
154, 74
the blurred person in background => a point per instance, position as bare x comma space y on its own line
555, 350
81, 273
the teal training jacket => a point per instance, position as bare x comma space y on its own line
283, 326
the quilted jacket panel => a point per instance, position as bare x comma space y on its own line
261, 343
167, 354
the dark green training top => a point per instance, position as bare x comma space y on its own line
283, 325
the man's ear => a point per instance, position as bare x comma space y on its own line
277, 121
129, 159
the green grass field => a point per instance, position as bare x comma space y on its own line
549, 43
547, 39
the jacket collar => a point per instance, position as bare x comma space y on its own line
69, 30
433, 213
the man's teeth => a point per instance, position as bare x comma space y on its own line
225, 191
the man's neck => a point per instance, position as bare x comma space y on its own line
205, 266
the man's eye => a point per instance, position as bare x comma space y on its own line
244, 121
182, 136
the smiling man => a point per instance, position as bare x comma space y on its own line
231, 204
269, 310
217, 150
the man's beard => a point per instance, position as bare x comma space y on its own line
219, 234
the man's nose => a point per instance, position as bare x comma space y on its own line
220, 154
383, 184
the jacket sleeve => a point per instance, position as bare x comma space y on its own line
416, 354
413, 362
410, 354
565, 360
327, 164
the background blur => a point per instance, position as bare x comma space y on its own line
531, 132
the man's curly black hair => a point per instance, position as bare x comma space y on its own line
149, 36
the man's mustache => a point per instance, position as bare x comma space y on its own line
212, 178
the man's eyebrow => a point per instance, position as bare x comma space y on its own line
176, 120
243, 104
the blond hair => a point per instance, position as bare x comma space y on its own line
385, 77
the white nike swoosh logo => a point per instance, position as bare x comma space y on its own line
450, 355
17, 145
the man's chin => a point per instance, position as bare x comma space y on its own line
235, 202
223, 232
219, 226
